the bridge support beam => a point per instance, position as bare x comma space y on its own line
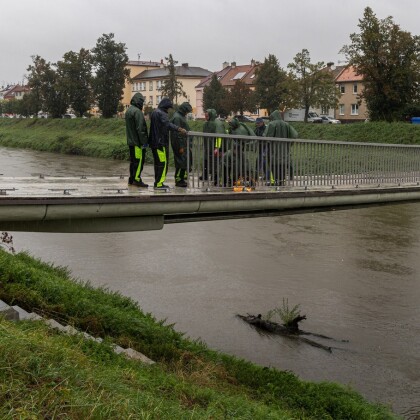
104, 224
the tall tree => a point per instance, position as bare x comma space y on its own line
389, 60
45, 82
240, 98
270, 84
76, 79
214, 96
109, 63
311, 85
171, 87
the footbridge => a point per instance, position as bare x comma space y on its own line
228, 177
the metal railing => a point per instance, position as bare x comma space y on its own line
228, 161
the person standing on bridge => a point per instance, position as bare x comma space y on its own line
280, 153
212, 146
136, 132
159, 141
236, 164
179, 145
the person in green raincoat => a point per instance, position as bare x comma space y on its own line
236, 163
137, 139
212, 146
280, 164
179, 145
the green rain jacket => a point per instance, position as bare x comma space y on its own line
278, 128
240, 129
214, 125
135, 125
178, 141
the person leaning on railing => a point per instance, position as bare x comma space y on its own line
236, 165
179, 145
280, 129
159, 141
212, 146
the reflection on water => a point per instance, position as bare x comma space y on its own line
355, 274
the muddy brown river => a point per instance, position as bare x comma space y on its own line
354, 273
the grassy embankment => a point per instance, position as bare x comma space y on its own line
45, 374
106, 138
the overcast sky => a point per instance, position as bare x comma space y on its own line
201, 33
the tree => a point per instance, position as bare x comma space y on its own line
240, 98
48, 93
214, 96
171, 87
311, 84
111, 73
270, 84
389, 60
76, 79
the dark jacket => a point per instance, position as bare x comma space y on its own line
179, 119
135, 125
160, 125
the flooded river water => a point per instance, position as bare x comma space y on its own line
354, 273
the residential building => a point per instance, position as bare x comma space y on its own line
228, 77
149, 82
350, 108
135, 68
14, 92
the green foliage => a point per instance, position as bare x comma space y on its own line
389, 60
284, 313
48, 91
214, 96
75, 71
172, 88
109, 63
270, 85
240, 98
310, 85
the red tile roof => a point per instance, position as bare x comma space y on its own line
348, 74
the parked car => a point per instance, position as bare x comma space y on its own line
329, 120
244, 118
69, 116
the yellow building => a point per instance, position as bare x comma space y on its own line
149, 81
135, 68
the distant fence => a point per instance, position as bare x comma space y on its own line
228, 161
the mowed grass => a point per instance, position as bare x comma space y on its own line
105, 138
45, 374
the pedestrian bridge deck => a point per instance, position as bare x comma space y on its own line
108, 204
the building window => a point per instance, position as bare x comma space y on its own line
150, 85
158, 99
354, 109
325, 110
143, 86
150, 100
159, 84
341, 109
342, 89
355, 88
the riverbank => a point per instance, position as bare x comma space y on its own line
45, 373
105, 138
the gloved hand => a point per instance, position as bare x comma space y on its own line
183, 131
216, 152
181, 151
145, 146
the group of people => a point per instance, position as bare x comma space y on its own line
158, 140
175, 129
